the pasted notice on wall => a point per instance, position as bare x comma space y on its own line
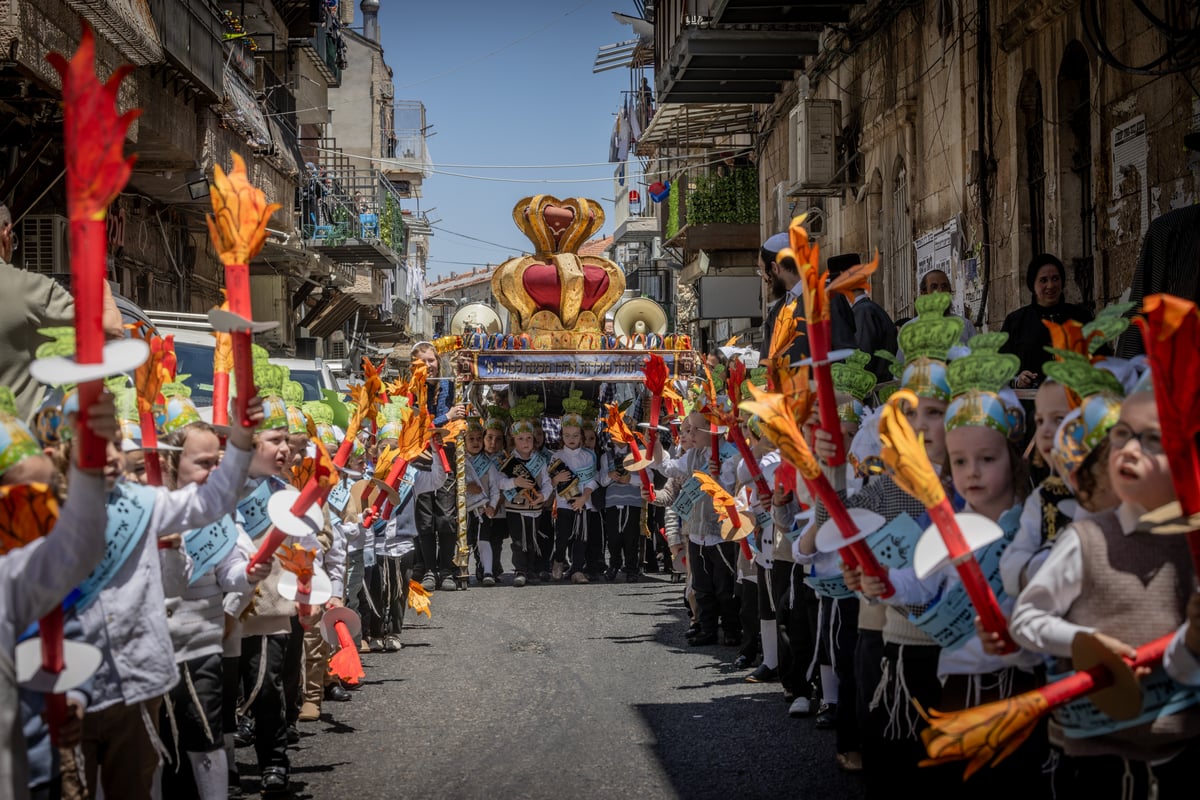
968, 288
1130, 212
938, 249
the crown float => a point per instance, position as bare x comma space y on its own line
556, 295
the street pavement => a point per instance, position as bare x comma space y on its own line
561, 691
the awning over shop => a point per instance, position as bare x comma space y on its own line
698, 125
127, 24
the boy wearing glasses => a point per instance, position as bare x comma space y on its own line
1109, 577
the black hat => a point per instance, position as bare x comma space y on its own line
842, 262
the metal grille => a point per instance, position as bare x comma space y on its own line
902, 269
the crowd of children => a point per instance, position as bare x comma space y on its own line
202, 647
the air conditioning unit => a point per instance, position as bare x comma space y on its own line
44, 241
812, 147
337, 347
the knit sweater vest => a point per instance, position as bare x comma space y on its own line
1135, 588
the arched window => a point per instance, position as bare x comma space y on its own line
1031, 164
902, 269
874, 227
1077, 211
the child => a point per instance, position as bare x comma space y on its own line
196, 618
573, 473
39, 575
1127, 587
525, 485
478, 468
495, 524
710, 557
622, 514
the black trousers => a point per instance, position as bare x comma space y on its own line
796, 614
437, 532
570, 538
266, 653
206, 674
713, 583
494, 530
1101, 777
544, 551
593, 558
890, 750
747, 597
522, 530
623, 531
868, 669
657, 553
839, 638
388, 585
293, 672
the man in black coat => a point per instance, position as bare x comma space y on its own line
783, 279
873, 328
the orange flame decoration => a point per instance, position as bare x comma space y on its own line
808, 258
781, 417
415, 433
454, 428
856, 278
319, 468
28, 512
238, 224
298, 560
156, 370
783, 334
656, 373
93, 131
1067, 336
418, 599
985, 734
904, 452
721, 499
387, 457
614, 422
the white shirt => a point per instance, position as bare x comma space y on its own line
576, 460
702, 527
1027, 553
1181, 663
1038, 619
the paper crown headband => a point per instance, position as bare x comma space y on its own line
392, 417
526, 415
322, 417
926, 342
497, 418
474, 425
269, 378
177, 410
977, 384
851, 378
1081, 432
575, 410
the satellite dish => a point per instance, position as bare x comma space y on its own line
475, 317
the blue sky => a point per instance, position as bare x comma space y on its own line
534, 103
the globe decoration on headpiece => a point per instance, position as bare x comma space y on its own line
926, 342
574, 410
557, 296
391, 420
269, 379
524, 414
322, 417
977, 384
293, 399
853, 382
1086, 426
497, 419
177, 411
17, 442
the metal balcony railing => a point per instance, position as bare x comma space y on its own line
192, 42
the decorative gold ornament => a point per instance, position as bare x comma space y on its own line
556, 295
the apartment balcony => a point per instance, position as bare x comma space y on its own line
129, 27
713, 211
351, 214
191, 32
735, 51
322, 46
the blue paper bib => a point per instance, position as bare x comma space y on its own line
208, 545
1161, 696
252, 510
689, 495
129, 508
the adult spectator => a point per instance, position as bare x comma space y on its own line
34, 302
1028, 337
873, 328
937, 281
783, 279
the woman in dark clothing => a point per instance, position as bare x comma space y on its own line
1027, 336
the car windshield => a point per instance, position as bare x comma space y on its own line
196, 362
310, 379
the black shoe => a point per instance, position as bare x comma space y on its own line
703, 639
827, 715
274, 780
293, 735
763, 674
693, 631
610, 575
732, 640
235, 786
337, 693
244, 735
743, 662
633, 576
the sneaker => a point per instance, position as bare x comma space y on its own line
391, 644
309, 712
556, 572
365, 645
610, 575
293, 733
377, 644
519, 580
579, 577
337, 693
244, 735
743, 662
692, 631
449, 584
274, 780
827, 715
542, 576
763, 674
800, 707
488, 580
429, 583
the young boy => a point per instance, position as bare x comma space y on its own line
573, 472
1107, 577
525, 485
478, 468
622, 515
495, 522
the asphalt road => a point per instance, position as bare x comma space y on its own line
557, 691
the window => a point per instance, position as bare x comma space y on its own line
902, 267
1032, 164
